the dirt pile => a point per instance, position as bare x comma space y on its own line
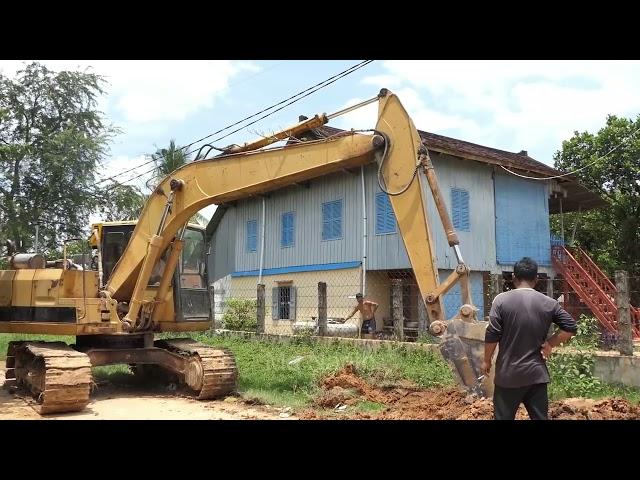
588, 409
346, 388
408, 402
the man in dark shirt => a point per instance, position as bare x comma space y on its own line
519, 322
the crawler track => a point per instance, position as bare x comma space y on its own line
212, 372
57, 377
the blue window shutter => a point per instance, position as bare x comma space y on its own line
460, 209
325, 221
283, 230
332, 220
391, 219
464, 211
338, 218
385, 219
288, 229
252, 235
455, 208
379, 213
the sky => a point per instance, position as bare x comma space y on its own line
510, 105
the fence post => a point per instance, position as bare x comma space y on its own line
260, 309
497, 285
398, 317
550, 292
322, 308
423, 317
212, 307
625, 341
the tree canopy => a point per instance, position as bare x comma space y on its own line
610, 163
53, 140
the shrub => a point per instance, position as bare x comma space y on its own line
588, 335
240, 314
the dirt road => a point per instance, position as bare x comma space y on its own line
130, 402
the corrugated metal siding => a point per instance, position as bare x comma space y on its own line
384, 251
522, 220
477, 245
453, 301
308, 247
245, 211
223, 247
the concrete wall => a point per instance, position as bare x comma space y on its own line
610, 367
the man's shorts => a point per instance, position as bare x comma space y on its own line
368, 326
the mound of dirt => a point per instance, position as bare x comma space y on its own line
587, 409
336, 396
339, 388
412, 403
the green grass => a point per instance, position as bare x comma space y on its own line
572, 376
5, 338
267, 376
265, 372
112, 373
367, 406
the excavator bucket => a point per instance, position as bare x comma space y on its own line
462, 346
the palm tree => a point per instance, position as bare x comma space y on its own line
167, 160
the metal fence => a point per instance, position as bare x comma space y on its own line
297, 303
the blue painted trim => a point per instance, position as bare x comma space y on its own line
540, 264
297, 268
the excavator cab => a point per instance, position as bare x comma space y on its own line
192, 303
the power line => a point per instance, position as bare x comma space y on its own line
302, 94
576, 170
231, 85
315, 88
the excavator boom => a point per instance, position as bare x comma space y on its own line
395, 145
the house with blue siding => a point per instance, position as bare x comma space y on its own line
341, 229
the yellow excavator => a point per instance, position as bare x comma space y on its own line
150, 276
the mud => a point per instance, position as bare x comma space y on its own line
411, 403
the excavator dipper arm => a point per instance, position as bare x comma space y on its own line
405, 157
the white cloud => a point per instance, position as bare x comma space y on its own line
422, 116
155, 90
512, 105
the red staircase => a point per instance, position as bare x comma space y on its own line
592, 286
